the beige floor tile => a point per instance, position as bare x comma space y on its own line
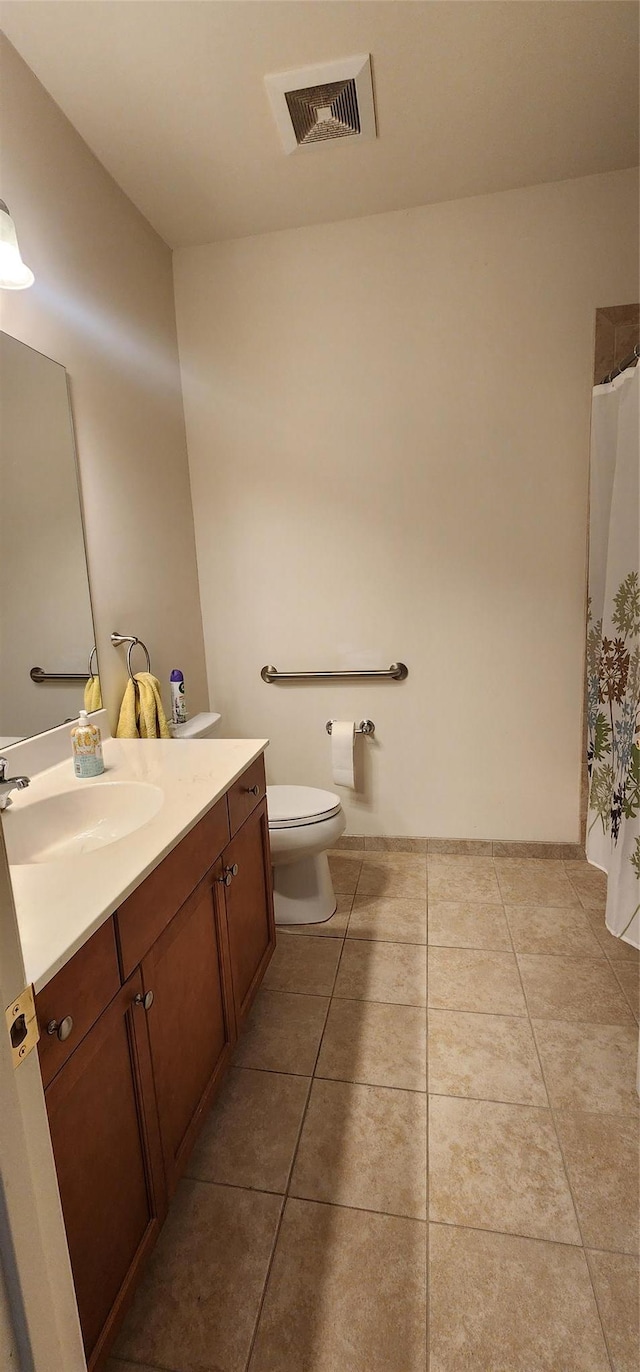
380, 1045
502, 1304
306, 965
616, 1278
601, 1153
199, 1297
396, 876
589, 883
475, 979
589, 1066
498, 1167
491, 1057
250, 1135
534, 881
463, 879
467, 924
572, 989
615, 948
345, 870
364, 1146
336, 927
282, 1033
392, 972
628, 977
346, 1293
392, 921
552, 929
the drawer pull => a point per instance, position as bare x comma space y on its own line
62, 1028
146, 1000
228, 874
252, 790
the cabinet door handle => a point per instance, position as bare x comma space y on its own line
146, 1000
252, 790
228, 874
61, 1028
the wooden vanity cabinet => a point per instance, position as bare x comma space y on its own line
156, 996
106, 1143
192, 1020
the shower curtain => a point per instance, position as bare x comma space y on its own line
613, 650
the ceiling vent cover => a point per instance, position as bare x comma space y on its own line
319, 104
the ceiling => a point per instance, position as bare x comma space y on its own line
471, 97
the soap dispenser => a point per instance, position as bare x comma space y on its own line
86, 744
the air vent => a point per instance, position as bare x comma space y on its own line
322, 103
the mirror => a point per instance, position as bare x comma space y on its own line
45, 609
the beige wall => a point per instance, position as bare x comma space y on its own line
388, 424
103, 306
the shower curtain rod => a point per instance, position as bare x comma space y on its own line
627, 362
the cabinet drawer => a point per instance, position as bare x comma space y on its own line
81, 989
146, 913
246, 793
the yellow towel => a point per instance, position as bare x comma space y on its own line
141, 713
92, 694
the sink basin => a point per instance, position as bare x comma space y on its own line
71, 823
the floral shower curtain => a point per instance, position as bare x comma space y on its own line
613, 650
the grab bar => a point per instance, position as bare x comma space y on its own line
396, 672
39, 675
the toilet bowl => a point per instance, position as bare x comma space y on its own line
303, 823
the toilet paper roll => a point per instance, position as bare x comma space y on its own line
343, 736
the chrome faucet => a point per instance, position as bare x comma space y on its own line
8, 784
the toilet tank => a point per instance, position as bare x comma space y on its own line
203, 725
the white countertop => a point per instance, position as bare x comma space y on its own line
60, 904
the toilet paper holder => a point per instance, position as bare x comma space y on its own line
366, 726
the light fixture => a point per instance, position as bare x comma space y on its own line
14, 275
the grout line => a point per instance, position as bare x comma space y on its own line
426, 1163
288, 1180
233, 1186
362, 1209
375, 1085
532, 1238
564, 1162
491, 1100
360, 1000
508, 1234
131, 1362
600, 1317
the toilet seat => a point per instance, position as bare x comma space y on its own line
295, 807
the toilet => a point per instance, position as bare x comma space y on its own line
303, 823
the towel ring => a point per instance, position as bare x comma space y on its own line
93, 654
133, 642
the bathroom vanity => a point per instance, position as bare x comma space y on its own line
138, 1024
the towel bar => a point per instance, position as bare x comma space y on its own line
396, 672
133, 642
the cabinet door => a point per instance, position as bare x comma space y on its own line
191, 1022
104, 1131
249, 901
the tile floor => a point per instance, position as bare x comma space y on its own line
326, 1176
